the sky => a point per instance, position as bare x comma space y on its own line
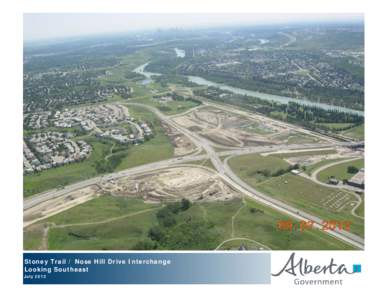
39, 26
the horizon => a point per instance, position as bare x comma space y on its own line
47, 27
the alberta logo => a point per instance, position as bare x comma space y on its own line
301, 267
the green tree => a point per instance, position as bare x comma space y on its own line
145, 245
185, 204
155, 234
352, 169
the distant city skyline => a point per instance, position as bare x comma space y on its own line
62, 25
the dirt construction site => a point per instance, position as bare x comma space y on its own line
59, 204
306, 160
192, 183
227, 129
172, 184
182, 145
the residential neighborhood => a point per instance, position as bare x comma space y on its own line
43, 151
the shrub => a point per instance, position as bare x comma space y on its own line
352, 169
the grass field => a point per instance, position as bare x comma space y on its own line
324, 202
171, 107
299, 138
121, 234
361, 209
355, 132
175, 107
304, 153
33, 237
102, 208
311, 168
251, 167
340, 171
296, 138
122, 223
327, 203
258, 225
335, 125
258, 128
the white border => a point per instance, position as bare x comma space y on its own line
373, 258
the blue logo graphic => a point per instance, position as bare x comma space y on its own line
356, 268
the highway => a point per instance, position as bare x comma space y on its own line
221, 167
39, 198
42, 197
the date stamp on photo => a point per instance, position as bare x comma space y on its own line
325, 225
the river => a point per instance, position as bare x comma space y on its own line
141, 70
239, 91
265, 96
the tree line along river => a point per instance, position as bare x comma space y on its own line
280, 99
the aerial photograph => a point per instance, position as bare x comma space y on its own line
193, 132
